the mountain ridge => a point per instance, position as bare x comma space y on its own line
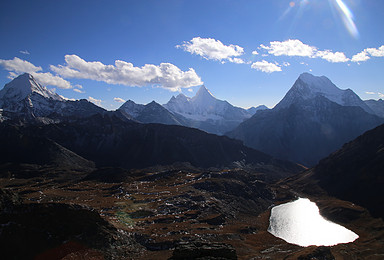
305, 127
308, 86
24, 98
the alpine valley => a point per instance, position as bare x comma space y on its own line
164, 182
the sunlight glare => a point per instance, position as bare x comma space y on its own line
299, 222
347, 17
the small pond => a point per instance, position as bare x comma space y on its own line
299, 222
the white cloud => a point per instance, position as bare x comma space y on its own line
212, 49
366, 53
70, 99
47, 79
265, 66
255, 53
381, 95
286, 64
119, 100
25, 52
79, 91
379, 52
95, 101
17, 66
190, 90
332, 56
297, 48
165, 75
361, 56
236, 60
79, 86
290, 48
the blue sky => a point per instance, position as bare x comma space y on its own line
248, 52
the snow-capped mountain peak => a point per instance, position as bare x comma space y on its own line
23, 86
25, 97
308, 86
319, 84
203, 95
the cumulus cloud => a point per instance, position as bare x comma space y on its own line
332, 56
290, 48
47, 79
255, 53
379, 52
212, 49
119, 100
95, 101
265, 66
165, 75
367, 53
298, 48
25, 52
17, 66
361, 56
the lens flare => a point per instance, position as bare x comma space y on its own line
347, 17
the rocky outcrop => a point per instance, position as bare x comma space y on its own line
39, 228
204, 250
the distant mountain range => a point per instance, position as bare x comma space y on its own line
44, 129
313, 119
203, 111
377, 106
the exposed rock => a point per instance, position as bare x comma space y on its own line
202, 250
42, 227
320, 253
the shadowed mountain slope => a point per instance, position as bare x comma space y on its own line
111, 140
307, 124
